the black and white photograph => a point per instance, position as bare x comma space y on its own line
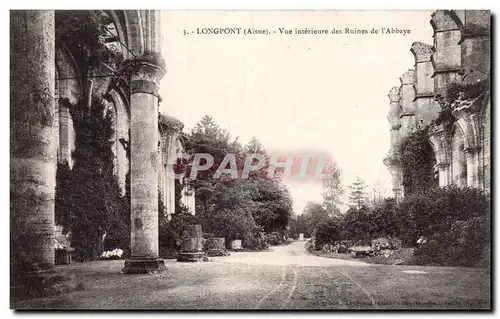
250, 159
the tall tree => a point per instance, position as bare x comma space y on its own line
358, 197
254, 146
314, 214
238, 206
332, 190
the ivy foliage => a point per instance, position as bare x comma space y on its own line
83, 33
417, 162
88, 198
457, 91
63, 194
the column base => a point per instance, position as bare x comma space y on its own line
41, 284
144, 266
192, 257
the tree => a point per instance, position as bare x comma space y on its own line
358, 197
235, 207
254, 146
329, 232
332, 190
273, 204
315, 215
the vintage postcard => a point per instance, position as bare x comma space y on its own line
198, 160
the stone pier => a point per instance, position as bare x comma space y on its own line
192, 245
145, 74
33, 151
216, 247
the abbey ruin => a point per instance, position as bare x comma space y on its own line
447, 92
50, 75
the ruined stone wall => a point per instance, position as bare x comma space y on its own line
475, 44
426, 107
460, 54
446, 57
407, 103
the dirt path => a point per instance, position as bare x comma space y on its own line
294, 254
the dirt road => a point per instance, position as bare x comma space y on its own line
285, 278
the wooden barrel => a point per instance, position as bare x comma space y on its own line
215, 243
192, 231
192, 245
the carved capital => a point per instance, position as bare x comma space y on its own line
145, 73
421, 51
144, 86
394, 94
408, 78
443, 166
441, 21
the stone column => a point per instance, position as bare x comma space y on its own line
188, 199
444, 174
170, 191
33, 152
472, 159
66, 135
145, 74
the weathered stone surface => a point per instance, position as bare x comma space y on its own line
193, 231
215, 243
216, 247
144, 165
446, 52
144, 266
192, 245
33, 148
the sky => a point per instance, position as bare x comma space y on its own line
296, 93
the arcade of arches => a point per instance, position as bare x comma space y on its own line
46, 81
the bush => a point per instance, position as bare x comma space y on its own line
233, 224
456, 221
274, 238
255, 241
466, 243
437, 209
171, 232
329, 232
